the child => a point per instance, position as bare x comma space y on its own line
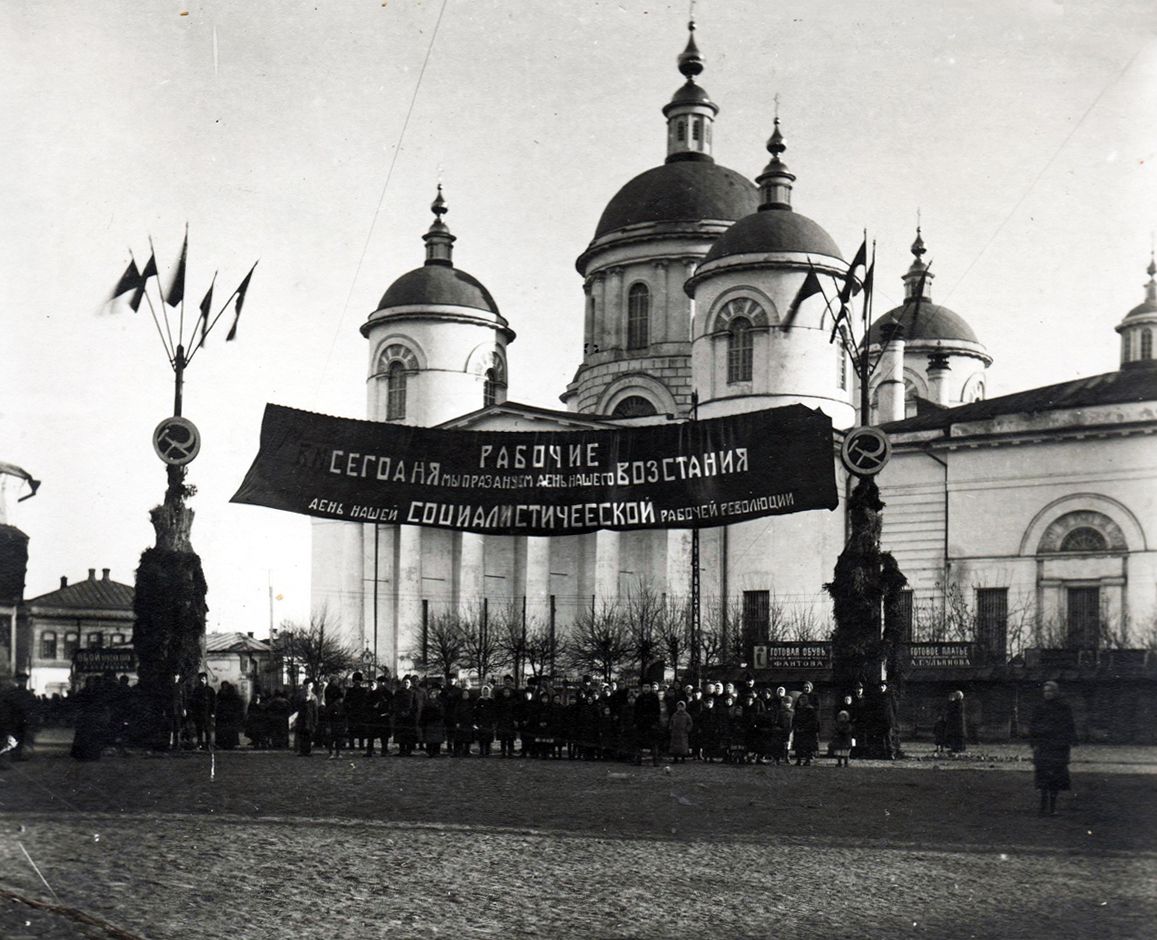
842, 740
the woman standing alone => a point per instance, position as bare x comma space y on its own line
1052, 734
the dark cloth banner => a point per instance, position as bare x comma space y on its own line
671, 476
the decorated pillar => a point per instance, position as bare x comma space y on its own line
607, 566
471, 569
538, 579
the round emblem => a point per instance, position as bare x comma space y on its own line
176, 441
865, 451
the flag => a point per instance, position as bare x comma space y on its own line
811, 285
240, 302
149, 270
850, 289
206, 304
177, 288
129, 281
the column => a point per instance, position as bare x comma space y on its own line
891, 387
606, 567
538, 579
938, 370
614, 334
597, 340
663, 327
678, 563
471, 570
408, 632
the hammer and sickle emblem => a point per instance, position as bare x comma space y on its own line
176, 441
866, 450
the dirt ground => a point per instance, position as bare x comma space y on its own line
264, 845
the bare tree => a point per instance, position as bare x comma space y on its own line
542, 650
510, 637
481, 639
673, 630
722, 632
313, 651
803, 624
444, 647
599, 641
643, 611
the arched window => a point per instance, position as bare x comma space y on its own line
739, 349
697, 129
842, 367
396, 391
1125, 346
489, 389
633, 406
1146, 344
48, 644
638, 316
71, 644
1084, 539
681, 131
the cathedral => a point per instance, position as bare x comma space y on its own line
1021, 522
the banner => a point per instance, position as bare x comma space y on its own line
940, 655
104, 659
679, 475
815, 654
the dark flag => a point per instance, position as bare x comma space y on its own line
177, 288
206, 304
811, 285
240, 302
129, 281
850, 289
149, 270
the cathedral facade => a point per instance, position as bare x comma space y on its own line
1019, 521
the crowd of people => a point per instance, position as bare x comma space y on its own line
725, 722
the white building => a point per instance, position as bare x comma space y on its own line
1036, 510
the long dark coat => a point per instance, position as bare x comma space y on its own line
1052, 733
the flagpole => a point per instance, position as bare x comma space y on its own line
172, 345
168, 351
865, 371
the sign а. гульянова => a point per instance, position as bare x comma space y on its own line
686, 474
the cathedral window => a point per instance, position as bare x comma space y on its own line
1146, 344
697, 130
681, 131
1084, 539
638, 316
633, 406
489, 389
396, 391
739, 350
1125, 346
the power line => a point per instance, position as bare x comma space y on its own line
382, 195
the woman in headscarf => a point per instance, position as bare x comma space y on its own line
1052, 734
805, 730
954, 728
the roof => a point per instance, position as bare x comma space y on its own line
234, 643
680, 191
934, 323
1128, 385
437, 284
90, 594
773, 230
563, 418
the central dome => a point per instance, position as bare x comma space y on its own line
933, 323
687, 190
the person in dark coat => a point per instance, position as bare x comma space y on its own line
336, 718
433, 722
886, 720
357, 704
307, 719
485, 721
506, 719
203, 708
379, 712
528, 722
1052, 733
406, 715
680, 727
842, 739
257, 724
806, 731
648, 713
710, 732
781, 731
954, 727
176, 710
462, 707
93, 716
278, 720
229, 717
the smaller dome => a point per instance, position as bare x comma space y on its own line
935, 324
689, 93
773, 230
437, 284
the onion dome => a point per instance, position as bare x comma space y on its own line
1139, 325
774, 226
689, 187
926, 324
438, 282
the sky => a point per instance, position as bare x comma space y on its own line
1024, 134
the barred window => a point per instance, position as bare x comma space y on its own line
739, 350
489, 390
992, 622
1084, 539
633, 406
681, 131
48, 644
396, 391
1146, 344
638, 316
905, 615
1084, 617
